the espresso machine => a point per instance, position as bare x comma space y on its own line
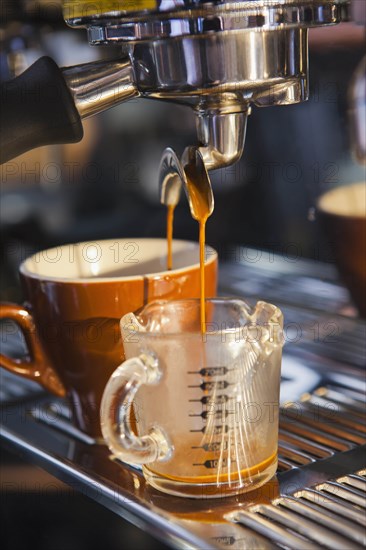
218, 58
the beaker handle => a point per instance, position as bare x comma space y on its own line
115, 413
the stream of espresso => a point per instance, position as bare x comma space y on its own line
202, 240
202, 213
169, 235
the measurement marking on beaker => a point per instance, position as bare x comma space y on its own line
209, 399
227, 540
205, 414
214, 430
213, 446
211, 371
215, 463
207, 386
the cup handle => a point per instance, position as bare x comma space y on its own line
115, 413
36, 367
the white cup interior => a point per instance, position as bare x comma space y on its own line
111, 259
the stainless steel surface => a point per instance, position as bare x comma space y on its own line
318, 496
216, 57
327, 518
219, 75
222, 136
147, 20
309, 524
100, 85
248, 66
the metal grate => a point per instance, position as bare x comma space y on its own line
321, 424
300, 283
331, 514
323, 322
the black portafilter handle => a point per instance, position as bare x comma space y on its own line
37, 108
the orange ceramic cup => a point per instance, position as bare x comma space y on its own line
75, 297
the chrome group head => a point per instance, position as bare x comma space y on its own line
217, 57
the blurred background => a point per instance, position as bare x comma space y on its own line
106, 186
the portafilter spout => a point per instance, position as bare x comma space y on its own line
221, 134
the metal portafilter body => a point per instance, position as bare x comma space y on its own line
217, 57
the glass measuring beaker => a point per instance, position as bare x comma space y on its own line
206, 404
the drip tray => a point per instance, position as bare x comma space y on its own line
317, 498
